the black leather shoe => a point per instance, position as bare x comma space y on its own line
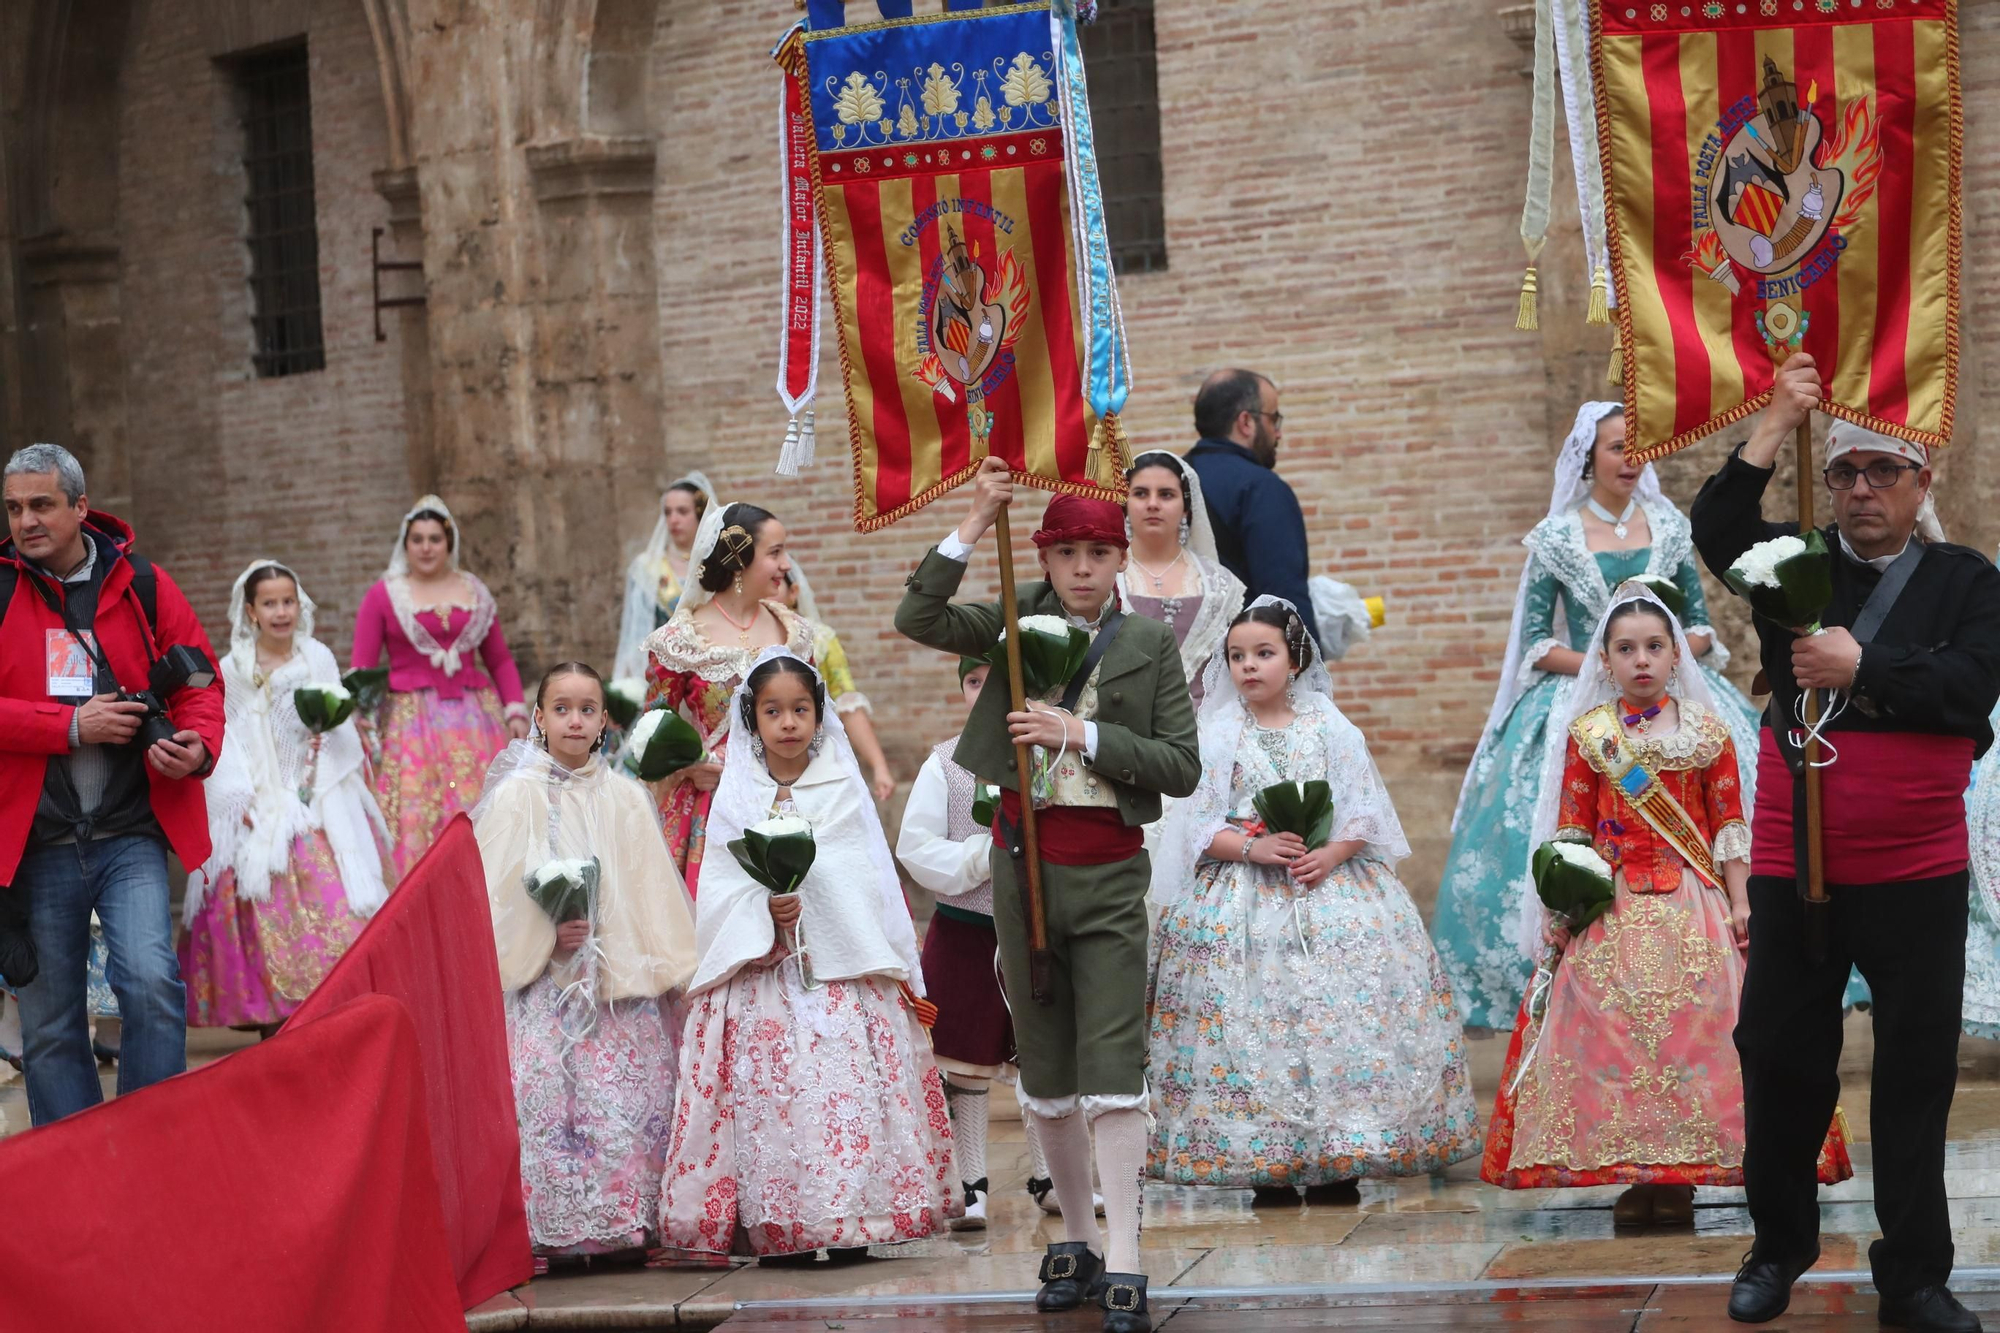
1928, 1310
1124, 1302
1763, 1287
1070, 1275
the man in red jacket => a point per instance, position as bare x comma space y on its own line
86, 815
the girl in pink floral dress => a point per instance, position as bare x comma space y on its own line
732, 609
300, 858
812, 1115
454, 692
591, 1022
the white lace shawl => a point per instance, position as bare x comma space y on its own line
855, 921
642, 583
1221, 591
1593, 688
1361, 804
259, 774
532, 811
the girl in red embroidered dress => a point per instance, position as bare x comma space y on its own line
1628, 1074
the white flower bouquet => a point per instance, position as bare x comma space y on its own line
1788, 579
624, 700
1052, 650
662, 742
563, 888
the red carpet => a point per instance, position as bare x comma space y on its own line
431, 946
289, 1186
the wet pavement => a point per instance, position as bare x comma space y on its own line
1435, 1252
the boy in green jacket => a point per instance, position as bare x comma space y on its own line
1125, 739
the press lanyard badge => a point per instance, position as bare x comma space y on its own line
67, 655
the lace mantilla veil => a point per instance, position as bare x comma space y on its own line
1221, 591
1366, 812
1569, 492
1592, 688
642, 583
741, 801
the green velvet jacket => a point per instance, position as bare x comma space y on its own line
1146, 740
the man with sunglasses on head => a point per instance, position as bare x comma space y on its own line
1908, 666
1260, 531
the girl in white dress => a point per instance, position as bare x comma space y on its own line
1302, 1031
812, 1115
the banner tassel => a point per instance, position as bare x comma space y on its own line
797, 452
1528, 318
1599, 311
1615, 372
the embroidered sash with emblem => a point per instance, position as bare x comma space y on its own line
1600, 736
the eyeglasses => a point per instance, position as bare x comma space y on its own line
1277, 418
1882, 474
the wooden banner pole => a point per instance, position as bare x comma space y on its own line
1816, 905
1017, 699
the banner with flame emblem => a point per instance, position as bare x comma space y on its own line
1782, 175
934, 150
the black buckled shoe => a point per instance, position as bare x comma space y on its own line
1124, 1302
1928, 1310
1763, 1287
1070, 1275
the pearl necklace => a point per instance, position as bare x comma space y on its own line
1617, 521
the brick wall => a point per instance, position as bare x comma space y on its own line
227, 467
1343, 186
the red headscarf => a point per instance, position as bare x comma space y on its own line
1075, 518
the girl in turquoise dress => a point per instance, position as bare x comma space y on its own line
1607, 522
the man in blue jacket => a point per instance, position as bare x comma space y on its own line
1260, 534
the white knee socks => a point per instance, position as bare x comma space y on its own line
1038, 1160
1121, 1160
1067, 1144
968, 1129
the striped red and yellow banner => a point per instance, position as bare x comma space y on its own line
937, 160
1782, 173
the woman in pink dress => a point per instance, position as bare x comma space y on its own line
732, 609
300, 849
454, 693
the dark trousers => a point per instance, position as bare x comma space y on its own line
1908, 939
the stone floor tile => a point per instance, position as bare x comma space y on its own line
1320, 1265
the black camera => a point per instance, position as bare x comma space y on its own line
179, 668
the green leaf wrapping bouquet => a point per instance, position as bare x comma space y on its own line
323, 707
1052, 650
985, 804
661, 742
1303, 808
1788, 580
625, 700
563, 888
1665, 589
369, 686
776, 853
1573, 882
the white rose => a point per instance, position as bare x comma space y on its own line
570, 871
337, 693
642, 730
1584, 855
1758, 566
629, 688
782, 826
1055, 625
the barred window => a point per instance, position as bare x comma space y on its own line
1123, 74
275, 97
